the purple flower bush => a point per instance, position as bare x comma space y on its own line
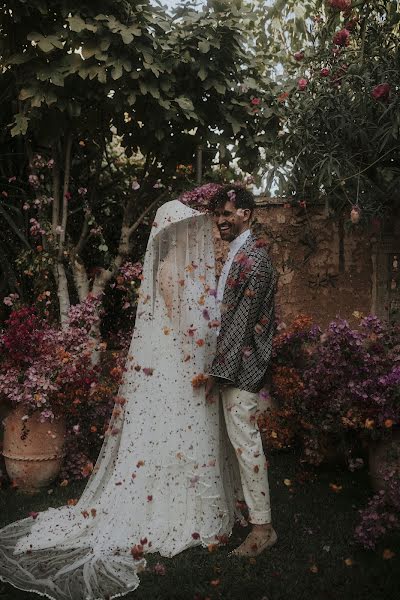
382, 513
342, 384
340, 388
353, 380
48, 369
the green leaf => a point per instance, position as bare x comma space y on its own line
155, 70
46, 44
127, 65
143, 87
236, 126
89, 49
57, 78
116, 72
185, 103
147, 56
165, 104
76, 23
154, 91
204, 46
127, 36
74, 109
20, 125
221, 89
19, 59
105, 44
94, 70
36, 101
26, 93
102, 75
202, 73
49, 97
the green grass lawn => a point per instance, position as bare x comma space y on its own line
315, 529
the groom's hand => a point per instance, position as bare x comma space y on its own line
211, 389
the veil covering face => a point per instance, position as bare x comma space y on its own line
163, 480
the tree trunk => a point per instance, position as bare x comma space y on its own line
80, 278
62, 292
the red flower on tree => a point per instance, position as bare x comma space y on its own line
342, 37
340, 4
298, 56
302, 84
381, 92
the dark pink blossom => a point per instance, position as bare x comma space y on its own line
231, 195
340, 4
298, 56
381, 92
351, 24
34, 181
302, 84
342, 38
324, 72
159, 569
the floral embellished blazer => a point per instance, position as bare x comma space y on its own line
244, 344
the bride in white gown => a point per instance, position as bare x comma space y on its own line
163, 480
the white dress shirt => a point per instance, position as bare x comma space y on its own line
235, 246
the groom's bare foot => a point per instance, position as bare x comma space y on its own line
259, 539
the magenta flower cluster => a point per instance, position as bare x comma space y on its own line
200, 197
42, 365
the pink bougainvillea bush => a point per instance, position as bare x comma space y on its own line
48, 369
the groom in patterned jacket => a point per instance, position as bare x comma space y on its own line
245, 294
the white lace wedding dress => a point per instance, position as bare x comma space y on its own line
164, 479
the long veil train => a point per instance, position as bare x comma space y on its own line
164, 472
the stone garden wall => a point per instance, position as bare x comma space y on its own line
326, 268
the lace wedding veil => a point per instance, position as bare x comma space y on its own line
159, 484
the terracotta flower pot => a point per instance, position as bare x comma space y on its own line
383, 455
5, 410
33, 451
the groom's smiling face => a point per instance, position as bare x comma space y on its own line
231, 221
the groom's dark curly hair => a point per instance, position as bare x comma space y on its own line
241, 197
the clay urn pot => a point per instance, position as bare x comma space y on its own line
33, 451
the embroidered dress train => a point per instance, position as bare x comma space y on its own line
164, 472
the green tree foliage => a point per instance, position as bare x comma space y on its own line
78, 75
338, 102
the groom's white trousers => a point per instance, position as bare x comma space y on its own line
240, 409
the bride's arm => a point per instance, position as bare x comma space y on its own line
166, 284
